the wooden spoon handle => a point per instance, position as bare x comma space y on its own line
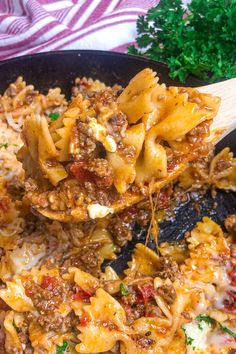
226, 116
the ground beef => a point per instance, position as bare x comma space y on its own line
85, 140
152, 310
95, 171
56, 322
118, 125
23, 335
135, 312
136, 213
47, 298
167, 292
82, 85
127, 152
105, 97
95, 195
102, 172
222, 165
169, 269
200, 132
143, 342
120, 231
88, 259
133, 307
23, 332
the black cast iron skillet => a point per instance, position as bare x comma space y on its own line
53, 69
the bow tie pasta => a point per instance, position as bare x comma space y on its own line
109, 150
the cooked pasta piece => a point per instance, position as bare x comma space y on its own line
53, 297
157, 307
112, 150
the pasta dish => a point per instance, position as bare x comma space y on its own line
75, 175
109, 149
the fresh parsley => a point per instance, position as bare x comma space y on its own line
210, 321
205, 318
62, 349
54, 116
188, 340
123, 290
198, 40
200, 326
227, 330
4, 146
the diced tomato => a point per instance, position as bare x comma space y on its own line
29, 288
81, 294
232, 276
84, 319
151, 314
230, 308
48, 282
146, 291
28, 292
232, 294
80, 172
126, 307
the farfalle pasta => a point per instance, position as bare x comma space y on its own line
109, 150
157, 306
106, 149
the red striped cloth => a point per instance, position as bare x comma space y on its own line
32, 26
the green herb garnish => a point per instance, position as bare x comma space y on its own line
200, 327
4, 145
62, 349
205, 318
210, 320
188, 340
123, 290
54, 115
227, 330
199, 40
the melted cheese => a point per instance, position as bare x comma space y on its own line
100, 133
197, 334
98, 211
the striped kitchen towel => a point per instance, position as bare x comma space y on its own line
32, 26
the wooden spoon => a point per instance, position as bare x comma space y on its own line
224, 123
225, 120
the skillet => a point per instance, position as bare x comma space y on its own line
47, 70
